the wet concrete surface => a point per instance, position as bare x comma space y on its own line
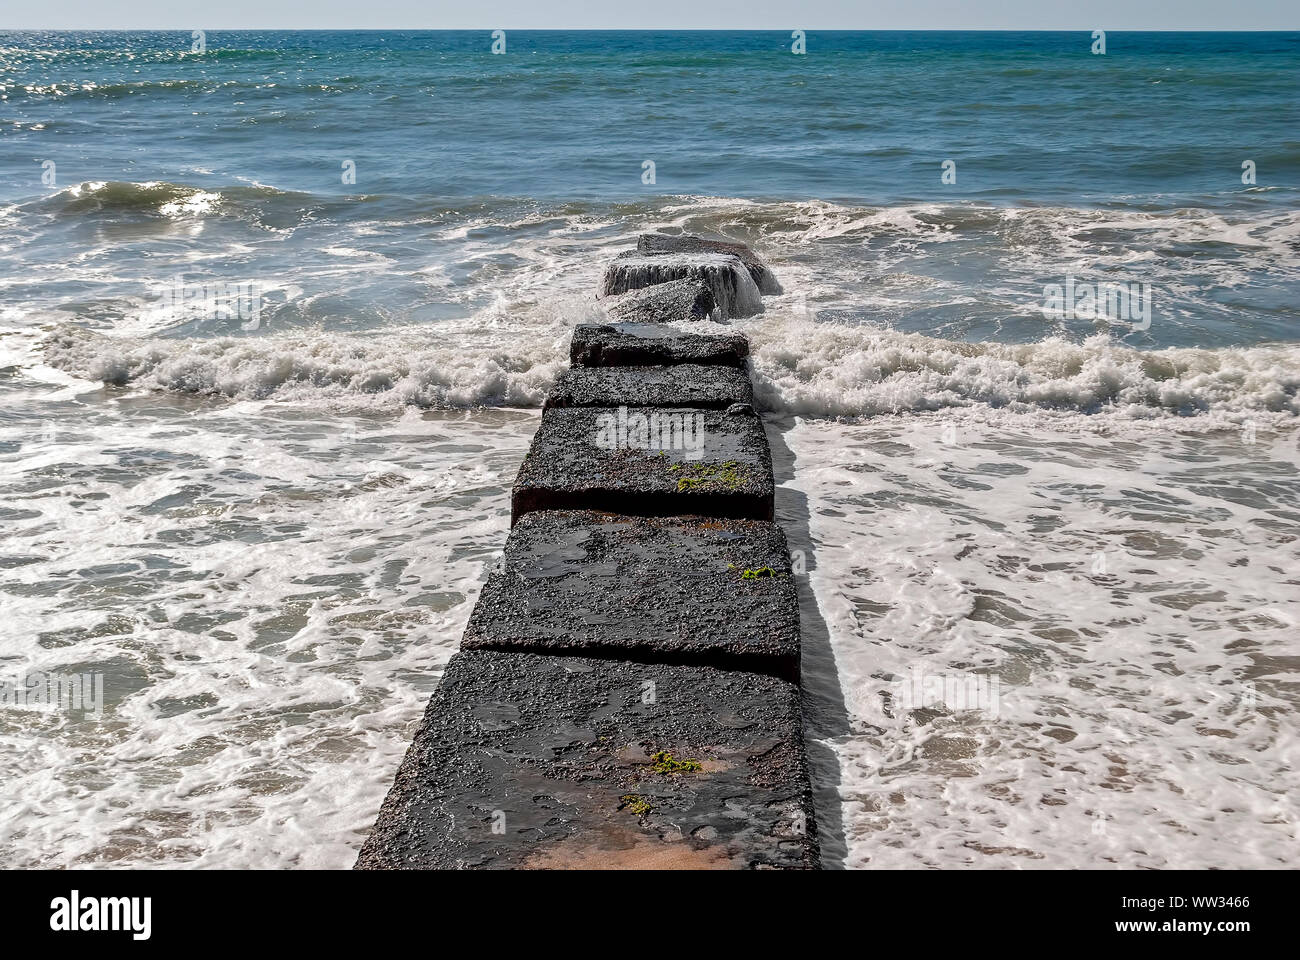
626, 695
526, 761
734, 290
662, 243
626, 461
652, 344
680, 385
671, 302
664, 589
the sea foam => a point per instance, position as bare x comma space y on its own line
820, 369
802, 367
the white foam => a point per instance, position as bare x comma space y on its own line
457, 369
824, 369
804, 367
270, 600
734, 290
273, 578
1143, 713
194, 204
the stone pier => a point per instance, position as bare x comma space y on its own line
627, 691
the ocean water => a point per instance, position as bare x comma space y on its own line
266, 533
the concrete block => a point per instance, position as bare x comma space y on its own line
680, 385
662, 243
647, 461
527, 761
662, 589
652, 344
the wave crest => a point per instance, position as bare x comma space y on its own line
820, 369
403, 368
801, 367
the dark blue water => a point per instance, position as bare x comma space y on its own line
862, 117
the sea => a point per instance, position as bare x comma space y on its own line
278, 311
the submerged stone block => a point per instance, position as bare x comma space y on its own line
647, 461
649, 344
527, 761
734, 290
671, 302
660, 243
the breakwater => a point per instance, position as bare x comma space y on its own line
627, 690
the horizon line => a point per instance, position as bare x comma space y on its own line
656, 29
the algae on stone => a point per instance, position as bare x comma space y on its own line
707, 476
665, 762
634, 804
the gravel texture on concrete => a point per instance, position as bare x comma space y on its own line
662, 589
527, 761
647, 461
652, 344
671, 302
679, 385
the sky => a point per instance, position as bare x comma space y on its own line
657, 14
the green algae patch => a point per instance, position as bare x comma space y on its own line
635, 804
760, 574
709, 476
665, 762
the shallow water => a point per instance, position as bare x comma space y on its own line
269, 613
1131, 589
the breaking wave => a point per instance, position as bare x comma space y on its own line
398, 369
819, 369
160, 197
881, 313
805, 368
